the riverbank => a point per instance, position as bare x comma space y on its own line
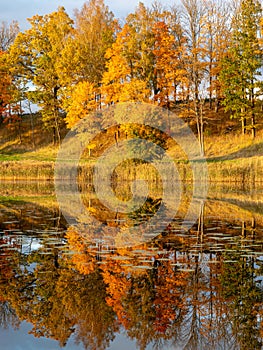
27, 170
239, 171
230, 156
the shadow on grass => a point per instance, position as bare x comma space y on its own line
255, 150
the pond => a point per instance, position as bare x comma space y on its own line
67, 287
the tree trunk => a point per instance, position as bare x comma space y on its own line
57, 127
244, 125
32, 125
56, 114
253, 129
54, 135
210, 83
200, 125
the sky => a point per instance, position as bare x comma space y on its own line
20, 10
20, 339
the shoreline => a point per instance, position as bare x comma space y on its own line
235, 171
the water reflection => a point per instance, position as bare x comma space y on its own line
200, 289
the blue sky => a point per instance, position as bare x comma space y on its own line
20, 10
20, 340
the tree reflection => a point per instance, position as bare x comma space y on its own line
163, 291
242, 291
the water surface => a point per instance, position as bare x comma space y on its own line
195, 289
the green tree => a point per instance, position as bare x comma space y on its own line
240, 72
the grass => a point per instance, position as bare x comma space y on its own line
26, 170
230, 156
45, 154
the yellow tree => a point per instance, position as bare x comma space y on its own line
94, 34
79, 101
169, 68
119, 83
139, 44
37, 56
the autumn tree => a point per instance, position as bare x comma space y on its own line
169, 51
120, 83
79, 101
240, 73
84, 60
36, 56
9, 94
94, 34
139, 44
5, 86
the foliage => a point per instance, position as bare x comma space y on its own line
94, 34
241, 67
119, 83
36, 58
79, 102
177, 58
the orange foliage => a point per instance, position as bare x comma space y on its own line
84, 261
118, 285
119, 84
168, 297
169, 67
5, 85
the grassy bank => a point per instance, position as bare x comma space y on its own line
238, 171
231, 157
26, 170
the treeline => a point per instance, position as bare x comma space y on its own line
200, 50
